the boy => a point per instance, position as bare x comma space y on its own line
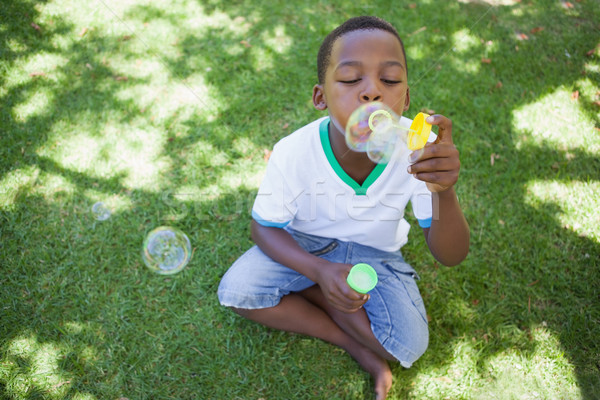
322, 208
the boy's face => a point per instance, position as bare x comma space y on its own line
365, 66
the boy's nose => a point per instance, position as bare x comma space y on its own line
370, 92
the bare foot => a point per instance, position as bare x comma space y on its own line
383, 383
374, 365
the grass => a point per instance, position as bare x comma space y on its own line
165, 111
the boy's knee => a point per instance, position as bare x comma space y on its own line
418, 345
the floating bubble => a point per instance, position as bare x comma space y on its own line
166, 250
375, 128
379, 117
382, 143
361, 124
100, 211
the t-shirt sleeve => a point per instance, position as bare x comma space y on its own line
421, 205
274, 205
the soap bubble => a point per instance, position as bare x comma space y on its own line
374, 128
362, 122
166, 250
382, 143
100, 211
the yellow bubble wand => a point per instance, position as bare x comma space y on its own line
374, 128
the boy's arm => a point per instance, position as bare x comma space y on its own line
438, 165
448, 236
278, 244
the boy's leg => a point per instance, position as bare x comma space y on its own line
295, 313
253, 287
394, 314
356, 325
265, 291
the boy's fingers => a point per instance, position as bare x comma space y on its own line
355, 299
444, 137
445, 179
350, 301
349, 308
444, 128
442, 171
344, 306
431, 151
437, 164
435, 161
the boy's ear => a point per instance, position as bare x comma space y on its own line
407, 99
318, 97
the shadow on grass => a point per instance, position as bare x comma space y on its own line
525, 270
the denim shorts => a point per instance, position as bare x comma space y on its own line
395, 308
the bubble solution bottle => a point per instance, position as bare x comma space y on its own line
362, 278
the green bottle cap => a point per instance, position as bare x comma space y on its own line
362, 278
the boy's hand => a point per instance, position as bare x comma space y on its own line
332, 280
437, 163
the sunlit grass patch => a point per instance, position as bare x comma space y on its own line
455, 379
37, 103
578, 204
114, 150
558, 118
15, 183
546, 373
31, 368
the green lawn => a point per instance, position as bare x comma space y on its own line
165, 111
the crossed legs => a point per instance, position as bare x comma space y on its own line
309, 313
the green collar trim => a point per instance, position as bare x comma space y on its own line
360, 190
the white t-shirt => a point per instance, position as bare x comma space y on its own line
306, 189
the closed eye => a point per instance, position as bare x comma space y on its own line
390, 82
350, 82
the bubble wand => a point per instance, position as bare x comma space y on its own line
375, 128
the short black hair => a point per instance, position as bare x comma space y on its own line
351, 25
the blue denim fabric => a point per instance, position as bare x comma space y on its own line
395, 309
